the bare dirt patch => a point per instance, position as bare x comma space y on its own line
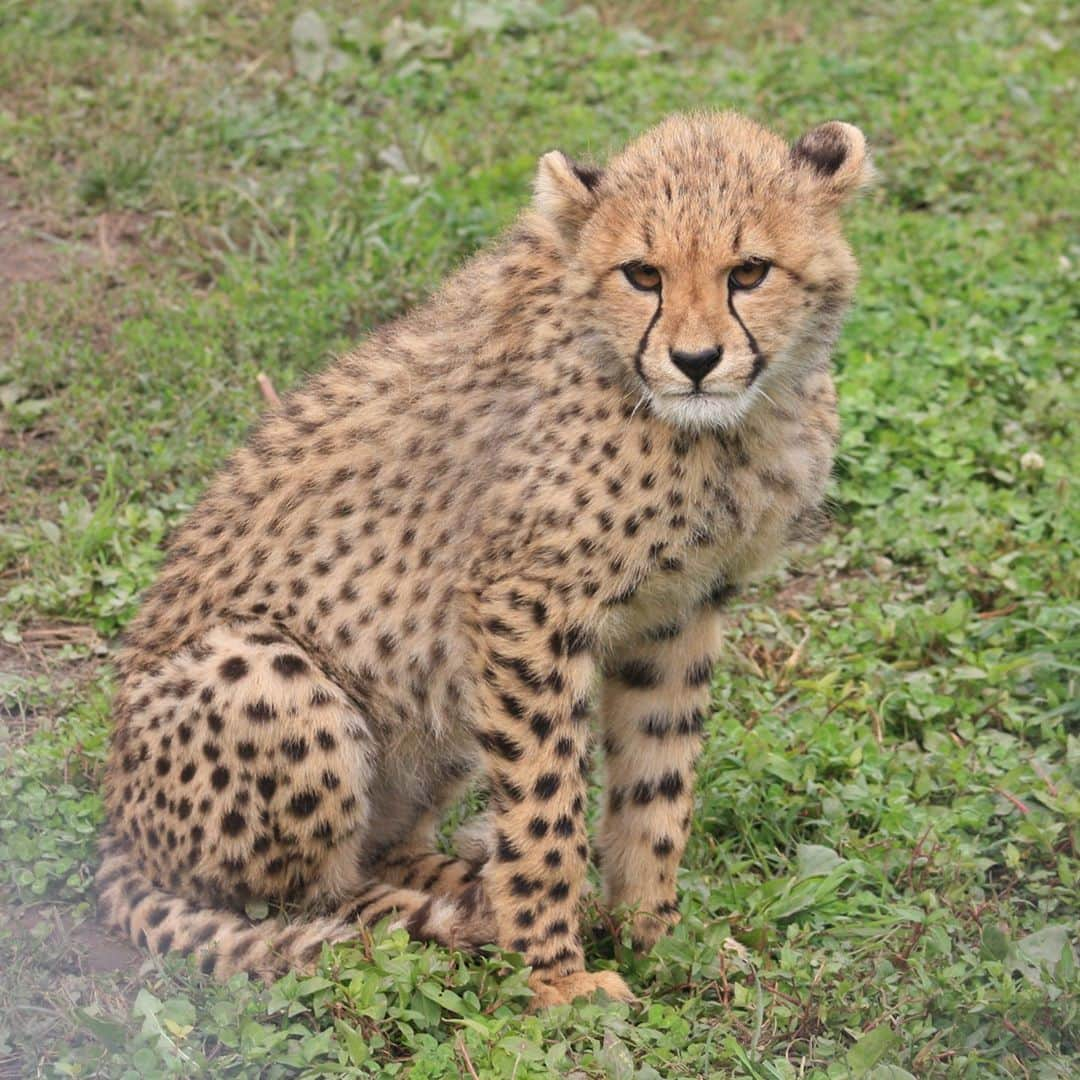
34, 248
41, 245
80, 947
39, 670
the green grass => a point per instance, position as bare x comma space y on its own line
883, 876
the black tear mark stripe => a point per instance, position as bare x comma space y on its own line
643, 344
759, 356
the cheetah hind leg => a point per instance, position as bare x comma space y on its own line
417, 864
459, 921
444, 877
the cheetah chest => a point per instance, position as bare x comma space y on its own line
746, 512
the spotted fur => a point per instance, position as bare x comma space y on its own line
501, 516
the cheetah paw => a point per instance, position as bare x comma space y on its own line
562, 989
646, 929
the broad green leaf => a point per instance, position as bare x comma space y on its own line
870, 1049
814, 860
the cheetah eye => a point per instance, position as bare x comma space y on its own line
642, 276
750, 274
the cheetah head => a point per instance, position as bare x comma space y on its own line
707, 260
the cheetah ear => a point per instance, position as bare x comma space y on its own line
835, 155
565, 192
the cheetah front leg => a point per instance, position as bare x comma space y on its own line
653, 705
532, 725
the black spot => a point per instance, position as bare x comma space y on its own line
505, 850
219, 778
664, 846
538, 827
495, 742
666, 632
699, 673
512, 706
325, 740
266, 785
564, 826
157, 917
578, 640
541, 725
643, 793
692, 723
260, 712
187, 772
560, 890
639, 674
289, 665
671, 785
524, 886
162, 765
546, 785
303, 803
245, 751
234, 668
658, 725
294, 749
565, 747
521, 667
500, 627
233, 823
553, 857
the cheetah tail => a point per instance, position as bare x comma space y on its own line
224, 941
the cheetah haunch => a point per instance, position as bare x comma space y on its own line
521, 504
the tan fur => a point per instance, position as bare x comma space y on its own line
432, 558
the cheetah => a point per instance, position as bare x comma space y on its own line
509, 518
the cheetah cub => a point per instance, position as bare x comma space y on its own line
515, 510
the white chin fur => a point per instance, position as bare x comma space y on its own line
700, 411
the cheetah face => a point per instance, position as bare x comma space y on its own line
708, 259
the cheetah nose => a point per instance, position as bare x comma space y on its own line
696, 365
